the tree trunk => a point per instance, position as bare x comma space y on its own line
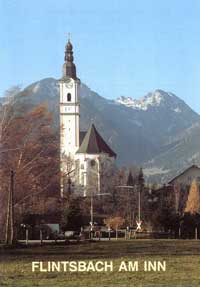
11, 208
8, 219
9, 238
41, 239
116, 233
196, 233
26, 236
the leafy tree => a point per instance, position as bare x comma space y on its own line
115, 223
191, 217
162, 212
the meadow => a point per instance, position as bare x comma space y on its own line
182, 260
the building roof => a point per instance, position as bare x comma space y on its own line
93, 143
81, 136
192, 166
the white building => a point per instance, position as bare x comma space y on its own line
186, 177
181, 184
85, 156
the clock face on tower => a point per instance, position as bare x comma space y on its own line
69, 84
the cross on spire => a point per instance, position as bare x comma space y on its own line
68, 36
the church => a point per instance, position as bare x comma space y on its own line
85, 157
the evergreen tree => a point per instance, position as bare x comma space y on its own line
193, 202
141, 180
130, 180
72, 217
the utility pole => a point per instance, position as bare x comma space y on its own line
91, 215
139, 206
10, 212
92, 210
139, 190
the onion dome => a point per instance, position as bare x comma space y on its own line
69, 68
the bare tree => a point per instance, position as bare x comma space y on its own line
29, 146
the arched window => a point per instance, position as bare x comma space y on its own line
92, 163
69, 97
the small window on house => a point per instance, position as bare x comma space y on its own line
69, 97
82, 166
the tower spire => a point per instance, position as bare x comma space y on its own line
69, 68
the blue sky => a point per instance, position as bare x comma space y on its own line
121, 47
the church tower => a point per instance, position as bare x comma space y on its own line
69, 105
69, 111
84, 156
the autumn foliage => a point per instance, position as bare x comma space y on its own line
114, 222
193, 202
30, 147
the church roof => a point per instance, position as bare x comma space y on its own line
93, 143
81, 136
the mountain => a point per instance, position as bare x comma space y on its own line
163, 113
159, 131
180, 152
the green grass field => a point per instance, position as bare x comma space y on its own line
182, 258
